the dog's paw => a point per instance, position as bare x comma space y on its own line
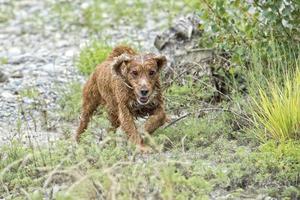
168, 119
145, 149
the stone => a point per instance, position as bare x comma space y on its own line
3, 77
8, 96
17, 74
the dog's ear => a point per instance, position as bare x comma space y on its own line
161, 61
119, 64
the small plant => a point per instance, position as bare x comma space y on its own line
279, 162
277, 110
189, 95
31, 93
6, 12
3, 60
71, 101
92, 55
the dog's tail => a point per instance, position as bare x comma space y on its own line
119, 50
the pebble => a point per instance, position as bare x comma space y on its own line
14, 51
70, 53
17, 74
8, 96
3, 77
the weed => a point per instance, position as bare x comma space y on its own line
189, 95
70, 102
3, 60
278, 162
192, 132
6, 12
31, 93
91, 56
277, 111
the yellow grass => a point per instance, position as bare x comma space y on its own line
277, 111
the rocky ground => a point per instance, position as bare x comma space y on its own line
38, 57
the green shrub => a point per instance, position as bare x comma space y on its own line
91, 55
235, 25
277, 163
240, 27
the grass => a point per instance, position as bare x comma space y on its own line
192, 167
91, 55
3, 60
6, 12
275, 82
278, 113
70, 102
97, 15
191, 95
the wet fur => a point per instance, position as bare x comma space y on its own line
109, 89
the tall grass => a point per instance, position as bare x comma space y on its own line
276, 94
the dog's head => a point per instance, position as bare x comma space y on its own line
141, 72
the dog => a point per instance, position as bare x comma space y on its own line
127, 85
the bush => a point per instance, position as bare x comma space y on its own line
92, 55
234, 25
240, 27
277, 113
277, 163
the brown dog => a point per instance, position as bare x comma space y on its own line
127, 84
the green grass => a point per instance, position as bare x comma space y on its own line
278, 113
189, 95
273, 86
31, 93
6, 12
91, 55
70, 102
3, 60
193, 133
97, 15
200, 160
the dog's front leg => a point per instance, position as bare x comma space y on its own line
156, 120
128, 125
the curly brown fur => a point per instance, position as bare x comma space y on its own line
127, 84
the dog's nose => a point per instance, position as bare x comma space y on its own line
144, 92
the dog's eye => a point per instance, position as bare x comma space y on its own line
152, 72
134, 73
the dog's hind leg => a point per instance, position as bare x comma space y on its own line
91, 100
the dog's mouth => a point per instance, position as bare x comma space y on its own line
143, 100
